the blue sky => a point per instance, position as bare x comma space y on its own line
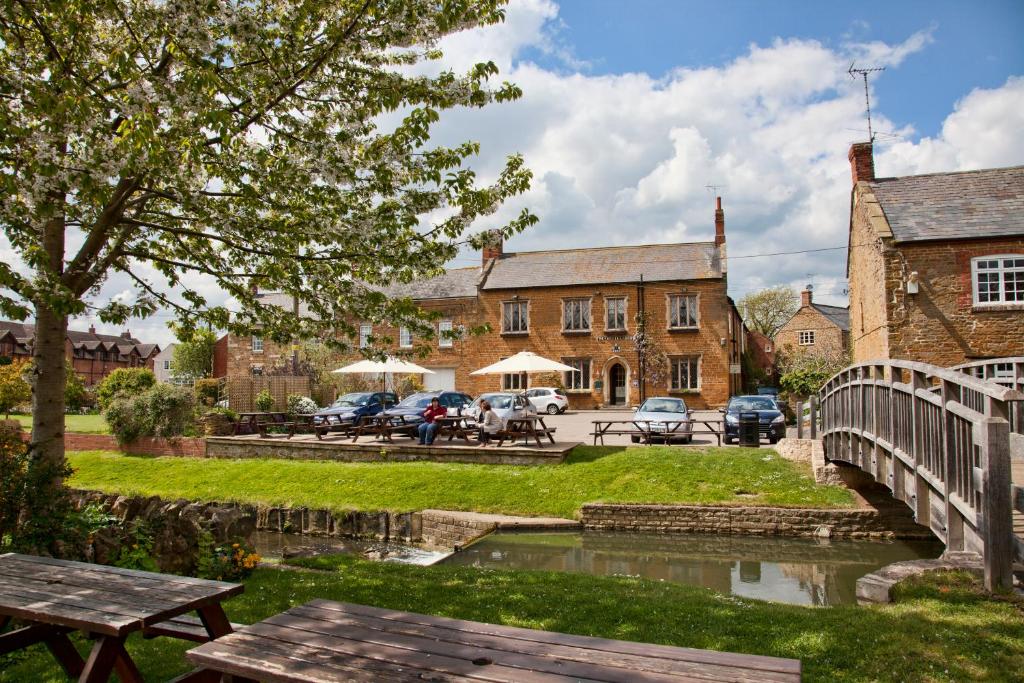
974, 44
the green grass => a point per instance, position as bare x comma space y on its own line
942, 629
590, 474
83, 424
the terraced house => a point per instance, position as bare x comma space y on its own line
583, 307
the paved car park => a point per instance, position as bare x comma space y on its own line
577, 425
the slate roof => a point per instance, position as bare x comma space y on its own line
836, 314
89, 341
606, 265
453, 284
954, 206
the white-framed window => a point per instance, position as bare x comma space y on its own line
576, 315
257, 344
404, 338
685, 373
615, 313
998, 279
579, 378
682, 311
364, 335
443, 341
515, 317
515, 381
805, 337
167, 365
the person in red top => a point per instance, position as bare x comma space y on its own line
428, 428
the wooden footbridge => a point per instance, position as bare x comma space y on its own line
944, 440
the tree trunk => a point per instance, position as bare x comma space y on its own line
47, 444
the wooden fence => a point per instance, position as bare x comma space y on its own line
241, 392
940, 441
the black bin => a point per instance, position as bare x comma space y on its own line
749, 435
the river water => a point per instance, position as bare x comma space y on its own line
790, 570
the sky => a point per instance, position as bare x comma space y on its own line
631, 109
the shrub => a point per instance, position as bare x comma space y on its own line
226, 561
76, 396
124, 382
163, 411
301, 405
264, 401
207, 391
13, 474
14, 390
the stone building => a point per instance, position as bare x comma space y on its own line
815, 328
92, 356
580, 307
936, 264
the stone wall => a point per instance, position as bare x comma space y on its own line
828, 337
444, 529
867, 271
750, 521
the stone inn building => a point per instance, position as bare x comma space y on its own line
936, 264
579, 307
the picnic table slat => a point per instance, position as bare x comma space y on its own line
240, 655
758, 662
164, 579
84, 618
545, 658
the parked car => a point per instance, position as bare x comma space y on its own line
413, 407
768, 391
547, 400
771, 421
351, 407
664, 413
505, 405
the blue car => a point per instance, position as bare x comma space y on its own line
771, 421
413, 407
352, 407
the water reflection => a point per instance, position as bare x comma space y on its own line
273, 546
797, 571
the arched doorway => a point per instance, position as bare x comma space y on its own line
616, 384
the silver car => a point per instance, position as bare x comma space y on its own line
666, 415
505, 405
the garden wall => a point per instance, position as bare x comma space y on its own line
191, 447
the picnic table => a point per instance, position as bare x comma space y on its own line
331, 422
334, 641
647, 433
456, 426
383, 426
53, 598
526, 427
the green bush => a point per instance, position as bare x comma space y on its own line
806, 381
264, 401
207, 391
76, 396
301, 405
226, 412
13, 475
162, 411
124, 382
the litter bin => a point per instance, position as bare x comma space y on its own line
749, 435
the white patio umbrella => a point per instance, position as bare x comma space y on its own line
385, 367
524, 361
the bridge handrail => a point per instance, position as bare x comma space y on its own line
940, 440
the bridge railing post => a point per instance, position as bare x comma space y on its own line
992, 435
814, 416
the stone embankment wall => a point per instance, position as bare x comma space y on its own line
442, 529
812, 452
750, 521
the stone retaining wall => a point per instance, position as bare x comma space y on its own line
185, 446
443, 529
751, 521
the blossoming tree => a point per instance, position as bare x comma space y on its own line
270, 144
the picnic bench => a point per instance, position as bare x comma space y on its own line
383, 426
53, 598
526, 427
331, 423
455, 426
334, 641
644, 430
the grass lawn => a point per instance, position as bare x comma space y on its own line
83, 424
941, 629
590, 474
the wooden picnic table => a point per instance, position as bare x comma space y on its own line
53, 598
527, 428
334, 641
456, 426
644, 430
333, 423
383, 426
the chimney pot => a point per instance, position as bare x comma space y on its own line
862, 162
719, 223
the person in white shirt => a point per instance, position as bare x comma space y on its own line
489, 423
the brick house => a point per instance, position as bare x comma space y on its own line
936, 264
92, 356
579, 307
815, 328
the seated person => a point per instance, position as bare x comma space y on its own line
489, 423
428, 428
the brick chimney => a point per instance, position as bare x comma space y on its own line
719, 223
806, 296
862, 162
127, 334
92, 329
494, 248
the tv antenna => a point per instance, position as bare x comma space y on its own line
863, 73
713, 189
